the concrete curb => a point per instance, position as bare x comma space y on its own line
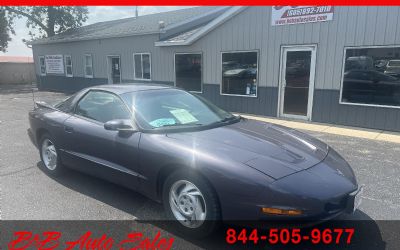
372, 134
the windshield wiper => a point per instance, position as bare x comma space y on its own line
179, 125
231, 118
226, 119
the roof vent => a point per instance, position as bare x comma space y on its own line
161, 25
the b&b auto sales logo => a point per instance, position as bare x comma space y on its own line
53, 240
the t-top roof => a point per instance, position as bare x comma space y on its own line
130, 87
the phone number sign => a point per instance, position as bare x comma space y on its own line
285, 15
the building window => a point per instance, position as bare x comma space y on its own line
142, 66
68, 66
371, 76
239, 73
42, 64
88, 66
188, 70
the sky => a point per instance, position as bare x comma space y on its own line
96, 14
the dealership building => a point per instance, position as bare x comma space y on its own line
330, 64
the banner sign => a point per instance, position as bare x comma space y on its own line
284, 15
54, 64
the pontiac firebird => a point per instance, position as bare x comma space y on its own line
204, 164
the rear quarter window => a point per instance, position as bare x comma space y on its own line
66, 105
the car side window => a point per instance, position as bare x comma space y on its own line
66, 105
102, 107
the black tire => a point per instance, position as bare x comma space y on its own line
213, 213
59, 168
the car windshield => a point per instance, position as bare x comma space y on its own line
174, 108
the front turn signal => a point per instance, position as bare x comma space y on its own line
280, 211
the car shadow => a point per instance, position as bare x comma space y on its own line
367, 232
109, 193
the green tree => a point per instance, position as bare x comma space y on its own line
5, 30
47, 21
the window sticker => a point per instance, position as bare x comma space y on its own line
162, 122
183, 116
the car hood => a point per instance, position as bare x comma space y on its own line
274, 150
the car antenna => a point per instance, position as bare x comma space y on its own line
32, 86
33, 94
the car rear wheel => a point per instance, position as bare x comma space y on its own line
49, 156
191, 203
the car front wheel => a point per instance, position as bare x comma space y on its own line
191, 202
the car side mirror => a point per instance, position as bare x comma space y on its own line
120, 125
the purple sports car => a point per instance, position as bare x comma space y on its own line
204, 164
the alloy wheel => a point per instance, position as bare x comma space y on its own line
187, 204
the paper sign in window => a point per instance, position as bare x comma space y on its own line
162, 122
183, 116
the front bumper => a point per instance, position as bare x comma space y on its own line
315, 209
348, 203
354, 200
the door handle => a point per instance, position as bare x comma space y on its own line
68, 129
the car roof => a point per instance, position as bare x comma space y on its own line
130, 87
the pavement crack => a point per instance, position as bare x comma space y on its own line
378, 134
16, 172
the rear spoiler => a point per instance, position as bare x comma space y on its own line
41, 104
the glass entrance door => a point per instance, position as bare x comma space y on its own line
297, 81
115, 70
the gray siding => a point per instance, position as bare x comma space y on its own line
251, 30
67, 84
100, 49
327, 109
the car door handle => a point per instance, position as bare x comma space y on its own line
68, 129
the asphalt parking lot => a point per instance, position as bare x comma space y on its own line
28, 194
